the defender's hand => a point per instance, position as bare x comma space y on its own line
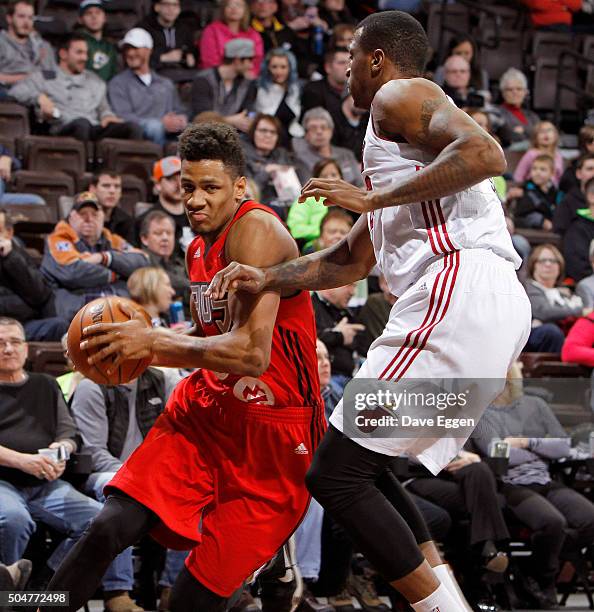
337, 193
236, 277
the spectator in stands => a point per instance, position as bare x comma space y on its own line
575, 199
157, 235
71, 99
279, 94
456, 71
569, 180
173, 41
166, 180
8, 163
579, 345
552, 304
334, 12
34, 416
107, 186
342, 35
467, 488
375, 312
22, 50
275, 34
265, 159
24, 293
350, 127
140, 94
576, 245
552, 15
465, 46
334, 226
305, 219
113, 421
557, 516
585, 288
328, 92
339, 331
544, 141
536, 207
226, 89
233, 23
515, 123
102, 55
151, 288
83, 260
319, 128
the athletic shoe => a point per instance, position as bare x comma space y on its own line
363, 588
342, 602
122, 603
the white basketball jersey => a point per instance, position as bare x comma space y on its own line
407, 238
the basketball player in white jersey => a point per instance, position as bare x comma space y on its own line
434, 225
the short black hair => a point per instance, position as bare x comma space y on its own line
13, 4
213, 141
400, 36
583, 159
71, 38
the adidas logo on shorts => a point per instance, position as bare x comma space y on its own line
301, 450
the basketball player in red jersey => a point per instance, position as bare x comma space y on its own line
222, 470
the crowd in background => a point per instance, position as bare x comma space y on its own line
277, 72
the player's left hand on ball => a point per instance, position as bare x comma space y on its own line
337, 193
120, 341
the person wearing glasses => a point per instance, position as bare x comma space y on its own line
552, 304
33, 417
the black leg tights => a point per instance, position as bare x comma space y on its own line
121, 523
189, 595
344, 479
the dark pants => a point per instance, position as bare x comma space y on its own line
358, 489
472, 492
46, 330
559, 518
82, 129
546, 338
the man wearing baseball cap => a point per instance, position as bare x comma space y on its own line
103, 56
227, 89
83, 260
166, 179
139, 94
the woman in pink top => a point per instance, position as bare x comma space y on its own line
234, 22
545, 139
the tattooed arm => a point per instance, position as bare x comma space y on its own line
420, 112
346, 262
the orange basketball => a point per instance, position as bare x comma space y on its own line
104, 310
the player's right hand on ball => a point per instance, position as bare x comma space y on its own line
236, 277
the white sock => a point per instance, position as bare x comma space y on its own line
439, 601
444, 575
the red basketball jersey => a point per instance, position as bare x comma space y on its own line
292, 376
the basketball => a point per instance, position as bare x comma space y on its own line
104, 310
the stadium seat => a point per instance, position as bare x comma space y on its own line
30, 213
14, 120
128, 156
122, 15
550, 44
539, 236
65, 11
513, 159
456, 17
170, 149
133, 190
509, 53
47, 358
545, 84
588, 47
55, 154
50, 186
8, 142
